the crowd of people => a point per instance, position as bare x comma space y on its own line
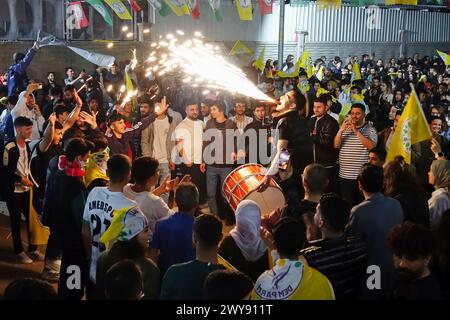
130, 187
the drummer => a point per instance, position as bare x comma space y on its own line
293, 141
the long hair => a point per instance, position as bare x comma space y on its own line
398, 178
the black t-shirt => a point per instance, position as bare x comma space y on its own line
427, 288
295, 130
39, 165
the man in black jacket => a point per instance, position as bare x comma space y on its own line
17, 181
257, 146
342, 259
324, 128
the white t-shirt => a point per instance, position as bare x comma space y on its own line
22, 170
153, 207
161, 130
191, 132
98, 213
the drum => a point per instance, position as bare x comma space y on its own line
241, 184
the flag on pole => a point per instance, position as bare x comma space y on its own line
179, 7
412, 128
45, 39
326, 4
240, 48
38, 233
265, 7
445, 57
134, 5
120, 9
319, 74
245, 9
306, 63
161, 6
404, 2
294, 74
101, 9
215, 6
75, 9
259, 63
356, 72
194, 8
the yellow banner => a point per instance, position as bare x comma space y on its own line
180, 8
412, 128
120, 9
245, 9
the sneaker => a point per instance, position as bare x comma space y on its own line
23, 258
36, 255
50, 276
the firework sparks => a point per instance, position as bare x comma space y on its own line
202, 65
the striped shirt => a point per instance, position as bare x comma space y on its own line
342, 260
352, 154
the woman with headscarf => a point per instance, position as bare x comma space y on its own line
130, 233
243, 248
439, 177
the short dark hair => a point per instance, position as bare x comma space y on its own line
12, 99
371, 178
287, 238
186, 197
432, 118
77, 147
123, 281
68, 68
72, 133
29, 289
227, 285
143, 168
322, 99
115, 117
59, 109
335, 211
358, 88
411, 240
22, 122
55, 91
300, 100
208, 230
99, 140
379, 152
18, 56
359, 106
58, 125
69, 87
316, 176
219, 105
118, 168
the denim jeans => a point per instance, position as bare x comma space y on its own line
214, 175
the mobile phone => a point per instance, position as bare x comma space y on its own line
283, 161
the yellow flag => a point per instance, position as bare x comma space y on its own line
120, 9
240, 48
259, 63
319, 74
325, 4
38, 233
294, 74
445, 57
130, 89
405, 2
112, 233
245, 10
306, 63
412, 128
225, 263
180, 8
356, 73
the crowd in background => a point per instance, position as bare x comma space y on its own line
129, 197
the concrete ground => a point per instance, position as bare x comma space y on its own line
9, 269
